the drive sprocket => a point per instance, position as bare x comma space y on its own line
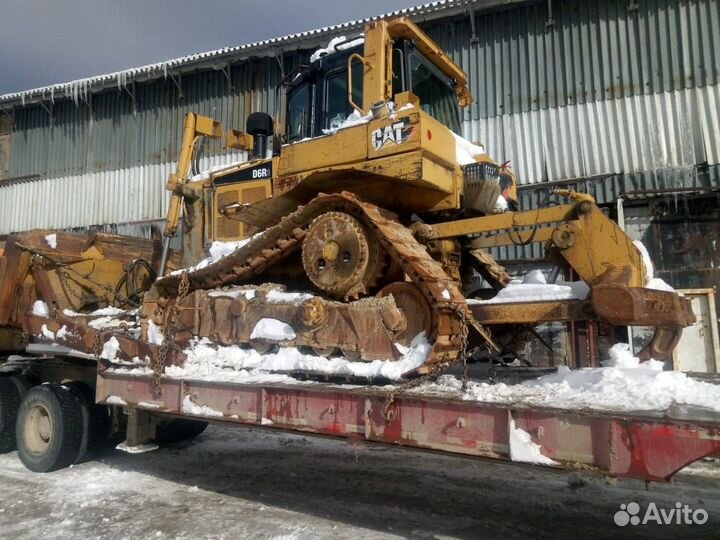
340, 256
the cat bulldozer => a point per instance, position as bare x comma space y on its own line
354, 226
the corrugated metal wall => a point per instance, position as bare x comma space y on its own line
138, 125
596, 88
623, 91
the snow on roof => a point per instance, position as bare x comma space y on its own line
79, 89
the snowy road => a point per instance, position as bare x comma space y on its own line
242, 483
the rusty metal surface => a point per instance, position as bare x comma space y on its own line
367, 328
532, 312
641, 307
619, 444
341, 257
74, 332
77, 272
276, 243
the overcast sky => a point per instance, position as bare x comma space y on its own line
44, 42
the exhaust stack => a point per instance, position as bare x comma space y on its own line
260, 126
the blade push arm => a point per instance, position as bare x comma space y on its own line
582, 237
195, 127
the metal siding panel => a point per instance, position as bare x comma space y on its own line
542, 100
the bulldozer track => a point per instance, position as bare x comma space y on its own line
447, 303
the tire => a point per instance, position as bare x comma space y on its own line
96, 422
9, 405
179, 429
22, 384
49, 429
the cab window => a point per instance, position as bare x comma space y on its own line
436, 92
298, 117
337, 106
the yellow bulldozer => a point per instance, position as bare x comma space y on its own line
355, 227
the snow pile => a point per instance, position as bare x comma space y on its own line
339, 43
218, 251
115, 400
465, 151
141, 370
524, 450
136, 448
46, 332
107, 323
110, 349
501, 205
621, 357
659, 285
62, 333
189, 407
105, 318
535, 288
651, 282
279, 297
649, 267
51, 240
272, 296
355, 118
248, 294
624, 384
102, 312
235, 364
154, 333
267, 328
40, 308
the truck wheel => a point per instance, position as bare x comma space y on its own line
49, 429
9, 404
96, 422
22, 384
179, 429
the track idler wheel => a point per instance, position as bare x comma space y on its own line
340, 256
414, 307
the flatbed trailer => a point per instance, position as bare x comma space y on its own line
67, 353
646, 445
641, 445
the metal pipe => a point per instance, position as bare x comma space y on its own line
164, 256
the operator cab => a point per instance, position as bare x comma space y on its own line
317, 98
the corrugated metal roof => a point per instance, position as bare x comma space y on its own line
80, 89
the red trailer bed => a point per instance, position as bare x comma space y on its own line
618, 444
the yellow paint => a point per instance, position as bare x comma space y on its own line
228, 229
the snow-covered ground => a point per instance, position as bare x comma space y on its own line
237, 483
